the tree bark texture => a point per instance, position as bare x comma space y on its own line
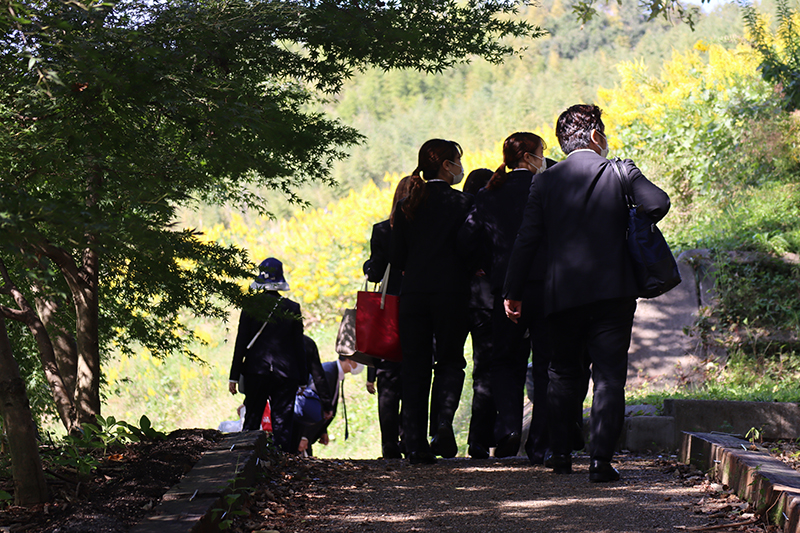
26, 466
25, 314
64, 345
87, 307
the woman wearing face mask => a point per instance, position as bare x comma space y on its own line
434, 297
492, 225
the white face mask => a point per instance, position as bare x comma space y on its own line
603, 151
457, 177
541, 168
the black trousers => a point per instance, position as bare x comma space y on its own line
280, 391
389, 381
482, 419
423, 318
513, 343
601, 331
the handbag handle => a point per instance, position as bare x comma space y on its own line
385, 285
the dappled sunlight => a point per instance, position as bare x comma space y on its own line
507, 495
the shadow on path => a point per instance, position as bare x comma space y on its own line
488, 496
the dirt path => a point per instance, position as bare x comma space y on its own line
487, 496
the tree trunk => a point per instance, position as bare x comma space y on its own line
26, 315
64, 345
87, 384
26, 466
87, 307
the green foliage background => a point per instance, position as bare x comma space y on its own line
733, 177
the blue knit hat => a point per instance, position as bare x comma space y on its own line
270, 276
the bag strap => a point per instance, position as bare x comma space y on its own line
385, 285
252, 342
622, 174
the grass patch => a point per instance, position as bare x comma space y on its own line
744, 377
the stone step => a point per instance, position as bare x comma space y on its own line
766, 483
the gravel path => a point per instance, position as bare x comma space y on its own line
487, 496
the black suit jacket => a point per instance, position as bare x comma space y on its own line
319, 378
380, 246
312, 429
279, 348
424, 248
331, 369
578, 207
492, 226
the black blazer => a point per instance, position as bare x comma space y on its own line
279, 348
578, 207
380, 246
331, 373
319, 380
313, 430
424, 248
492, 226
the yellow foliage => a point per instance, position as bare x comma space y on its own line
322, 249
642, 97
205, 337
491, 159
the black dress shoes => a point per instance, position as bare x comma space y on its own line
444, 442
601, 471
422, 458
508, 446
478, 451
392, 451
560, 463
536, 458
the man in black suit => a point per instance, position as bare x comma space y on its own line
590, 290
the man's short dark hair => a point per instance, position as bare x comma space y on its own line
574, 126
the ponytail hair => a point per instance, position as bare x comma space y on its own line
514, 149
400, 192
432, 155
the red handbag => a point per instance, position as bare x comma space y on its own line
377, 325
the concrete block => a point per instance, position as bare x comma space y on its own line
649, 433
178, 516
775, 420
187, 507
765, 482
661, 354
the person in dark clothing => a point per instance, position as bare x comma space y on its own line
388, 374
269, 354
322, 391
433, 298
589, 294
492, 225
309, 411
481, 302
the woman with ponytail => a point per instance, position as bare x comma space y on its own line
434, 297
388, 374
492, 225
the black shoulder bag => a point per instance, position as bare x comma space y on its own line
653, 263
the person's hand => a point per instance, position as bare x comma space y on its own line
232, 387
327, 415
324, 440
303, 446
513, 309
370, 387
